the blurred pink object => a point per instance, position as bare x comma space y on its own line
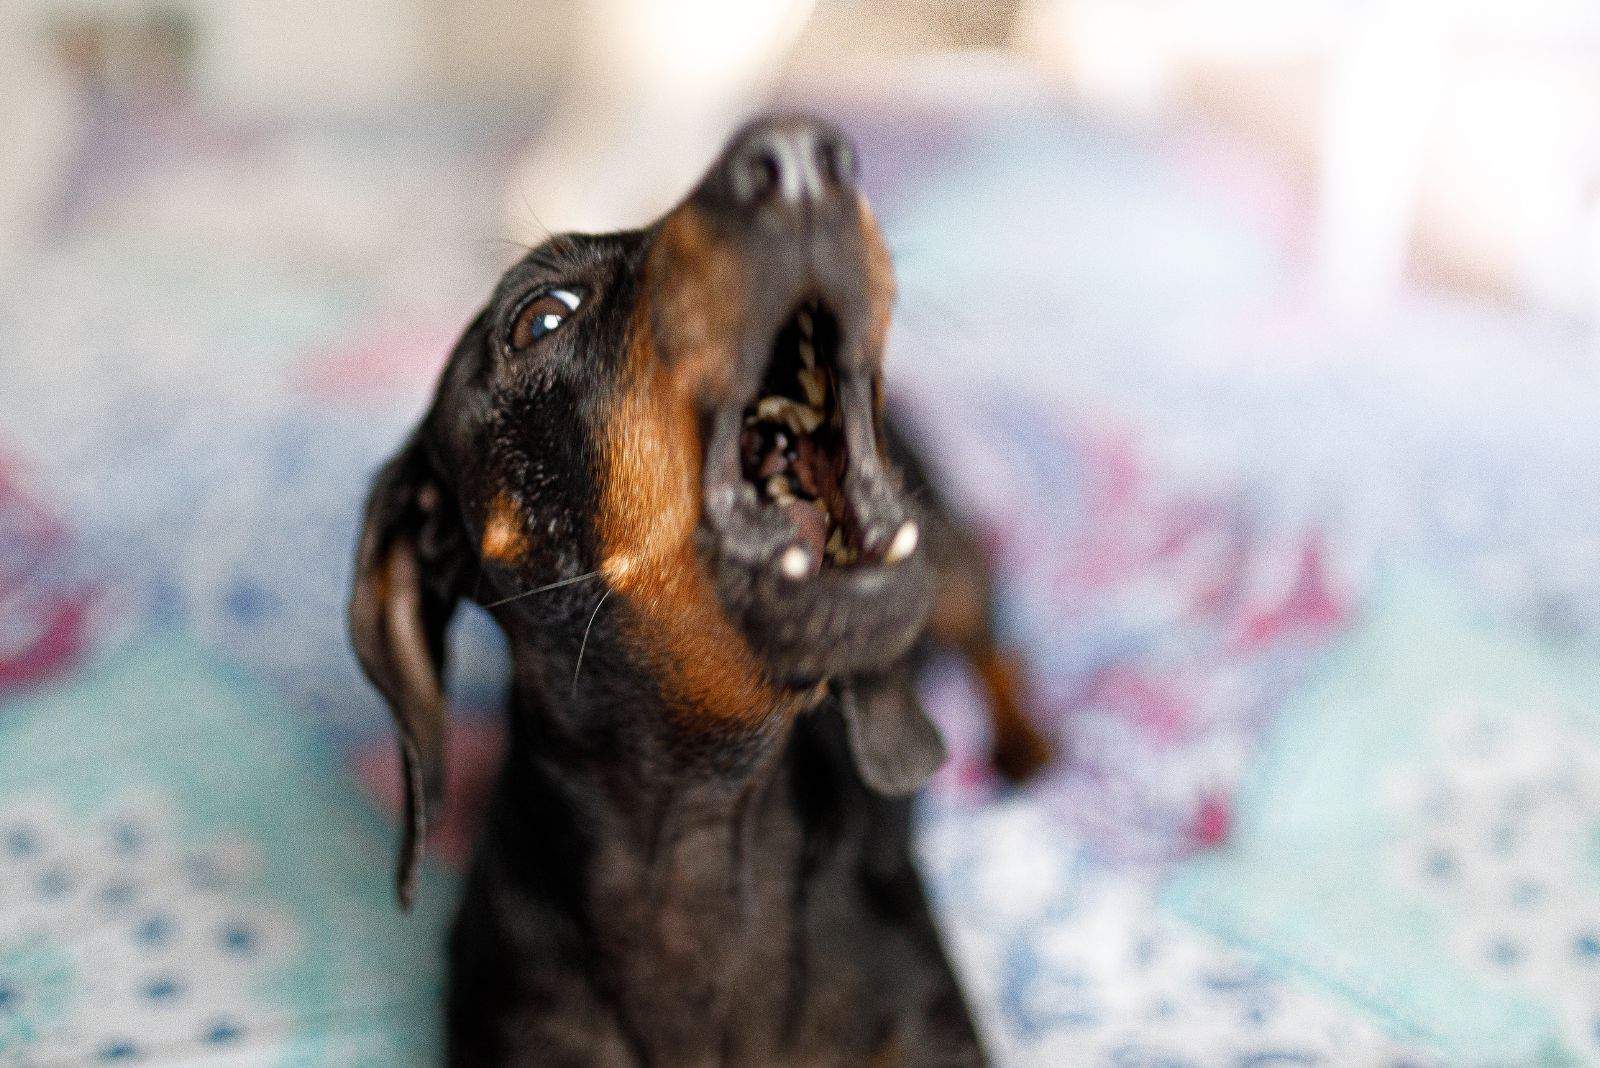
387, 363
44, 607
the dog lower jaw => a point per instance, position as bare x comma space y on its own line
835, 623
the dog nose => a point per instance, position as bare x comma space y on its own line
790, 161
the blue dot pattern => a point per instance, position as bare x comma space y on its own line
163, 989
54, 883
154, 930
19, 843
177, 966
223, 1032
239, 938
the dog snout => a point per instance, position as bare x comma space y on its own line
782, 164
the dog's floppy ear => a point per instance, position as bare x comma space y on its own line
894, 744
407, 576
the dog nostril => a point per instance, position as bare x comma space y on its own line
758, 176
784, 163
836, 162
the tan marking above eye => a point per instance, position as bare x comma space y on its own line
505, 538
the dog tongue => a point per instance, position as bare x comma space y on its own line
770, 450
810, 525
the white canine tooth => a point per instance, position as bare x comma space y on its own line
904, 543
794, 562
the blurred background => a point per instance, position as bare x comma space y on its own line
1262, 342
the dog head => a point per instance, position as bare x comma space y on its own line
657, 457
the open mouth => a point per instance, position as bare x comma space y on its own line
792, 450
814, 545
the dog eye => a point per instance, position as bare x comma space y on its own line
541, 315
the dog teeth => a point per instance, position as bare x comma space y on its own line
799, 418
795, 563
840, 554
904, 543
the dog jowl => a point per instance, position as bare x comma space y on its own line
660, 459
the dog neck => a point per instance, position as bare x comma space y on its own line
655, 802
683, 871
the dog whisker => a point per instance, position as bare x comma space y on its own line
527, 205
509, 242
559, 243
541, 589
578, 666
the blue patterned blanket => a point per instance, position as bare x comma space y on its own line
1312, 612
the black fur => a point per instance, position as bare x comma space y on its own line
646, 891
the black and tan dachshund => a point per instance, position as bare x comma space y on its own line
660, 460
